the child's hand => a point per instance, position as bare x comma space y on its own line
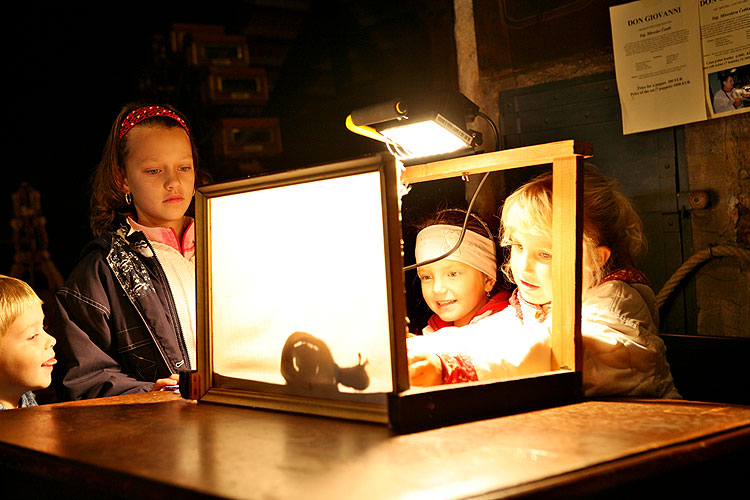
425, 370
163, 383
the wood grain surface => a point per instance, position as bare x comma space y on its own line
151, 445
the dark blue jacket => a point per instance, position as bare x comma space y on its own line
116, 324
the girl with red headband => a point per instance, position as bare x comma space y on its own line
125, 319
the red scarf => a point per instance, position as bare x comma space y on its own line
626, 274
497, 303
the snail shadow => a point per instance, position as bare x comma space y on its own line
308, 367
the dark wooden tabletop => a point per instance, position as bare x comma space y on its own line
152, 445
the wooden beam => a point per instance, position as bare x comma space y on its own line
499, 160
567, 232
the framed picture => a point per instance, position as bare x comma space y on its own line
301, 303
248, 137
218, 49
237, 85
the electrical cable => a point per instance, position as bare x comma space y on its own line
460, 238
468, 210
494, 129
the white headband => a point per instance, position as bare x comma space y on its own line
475, 250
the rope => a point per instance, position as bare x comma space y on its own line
694, 261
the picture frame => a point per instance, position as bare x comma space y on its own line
248, 137
280, 226
209, 48
240, 85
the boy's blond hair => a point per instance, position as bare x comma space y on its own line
15, 296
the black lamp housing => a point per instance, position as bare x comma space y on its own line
446, 112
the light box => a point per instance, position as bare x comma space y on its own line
301, 302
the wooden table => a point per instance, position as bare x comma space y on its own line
160, 446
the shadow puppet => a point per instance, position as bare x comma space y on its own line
307, 365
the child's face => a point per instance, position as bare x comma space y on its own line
453, 290
26, 354
531, 265
159, 174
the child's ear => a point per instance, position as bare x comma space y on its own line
603, 254
122, 183
489, 284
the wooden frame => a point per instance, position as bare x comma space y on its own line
406, 409
217, 49
180, 31
375, 178
419, 408
566, 158
248, 137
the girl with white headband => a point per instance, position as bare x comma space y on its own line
622, 352
461, 288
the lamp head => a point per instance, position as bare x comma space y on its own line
419, 126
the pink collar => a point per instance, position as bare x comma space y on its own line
168, 237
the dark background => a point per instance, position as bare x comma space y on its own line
69, 69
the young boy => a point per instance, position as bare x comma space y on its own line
26, 354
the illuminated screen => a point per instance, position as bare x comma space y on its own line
298, 285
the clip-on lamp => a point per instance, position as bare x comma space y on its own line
424, 127
420, 126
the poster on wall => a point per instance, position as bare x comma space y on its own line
725, 33
680, 61
657, 48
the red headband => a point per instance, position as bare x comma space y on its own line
138, 115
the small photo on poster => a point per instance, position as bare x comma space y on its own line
730, 89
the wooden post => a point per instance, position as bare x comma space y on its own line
539, 154
567, 231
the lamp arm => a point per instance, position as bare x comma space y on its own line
366, 131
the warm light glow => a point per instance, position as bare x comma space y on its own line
428, 138
308, 257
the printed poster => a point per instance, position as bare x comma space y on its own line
681, 61
725, 33
657, 49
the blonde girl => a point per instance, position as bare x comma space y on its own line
622, 352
